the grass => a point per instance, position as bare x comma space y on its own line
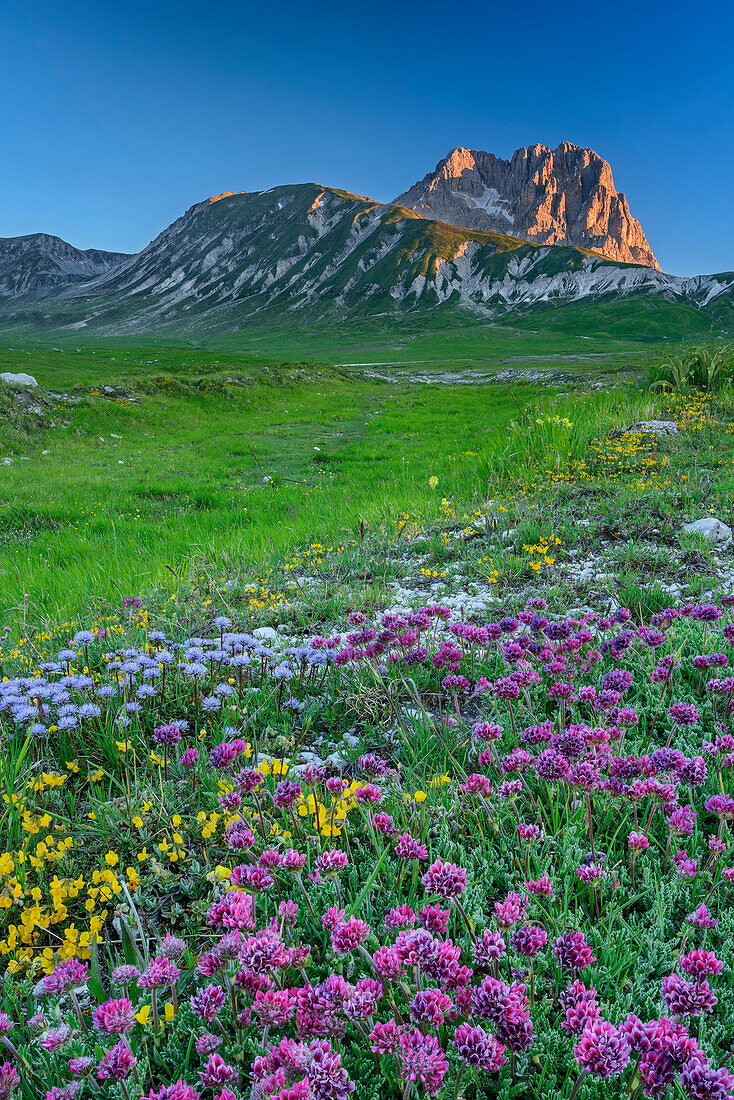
196, 461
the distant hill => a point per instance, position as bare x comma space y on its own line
41, 262
550, 196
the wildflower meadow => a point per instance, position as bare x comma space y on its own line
372, 774
517, 882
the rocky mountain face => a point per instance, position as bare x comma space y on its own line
39, 262
550, 196
306, 253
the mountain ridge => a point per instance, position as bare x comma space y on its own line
307, 252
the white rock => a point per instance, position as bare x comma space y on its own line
337, 761
266, 632
655, 427
45, 452
712, 529
18, 381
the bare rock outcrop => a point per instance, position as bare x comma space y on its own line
550, 196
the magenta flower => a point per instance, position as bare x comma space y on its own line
78, 1067
511, 910
234, 910
591, 872
402, 917
208, 1043
388, 964
160, 971
721, 805
172, 946
682, 820
700, 964
684, 998
55, 1037
385, 1038
177, 1091
702, 918
117, 1063
488, 949
68, 974
422, 1060
332, 862
216, 1072
207, 1003
445, 879
572, 951
543, 887
684, 714
479, 1048
701, 1082
529, 939
287, 793
9, 1078
167, 735
603, 1049
384, 824
430, 1006
115, 1016
410, 849
435, 919
349, 934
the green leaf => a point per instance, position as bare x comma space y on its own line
129, 950
94, 981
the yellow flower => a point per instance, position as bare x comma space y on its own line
112, 859
433, 481
168, 1012
142, 1016
122, 746
96, 777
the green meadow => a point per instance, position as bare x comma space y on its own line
203, 462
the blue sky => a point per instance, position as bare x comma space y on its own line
120, 115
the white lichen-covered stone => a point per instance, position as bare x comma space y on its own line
18, 381
656, 427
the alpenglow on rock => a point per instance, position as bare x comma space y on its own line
551, 196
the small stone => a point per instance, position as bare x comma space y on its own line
712, 529
18, 381
655, 427
266, 632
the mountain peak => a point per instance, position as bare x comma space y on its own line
564, 195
